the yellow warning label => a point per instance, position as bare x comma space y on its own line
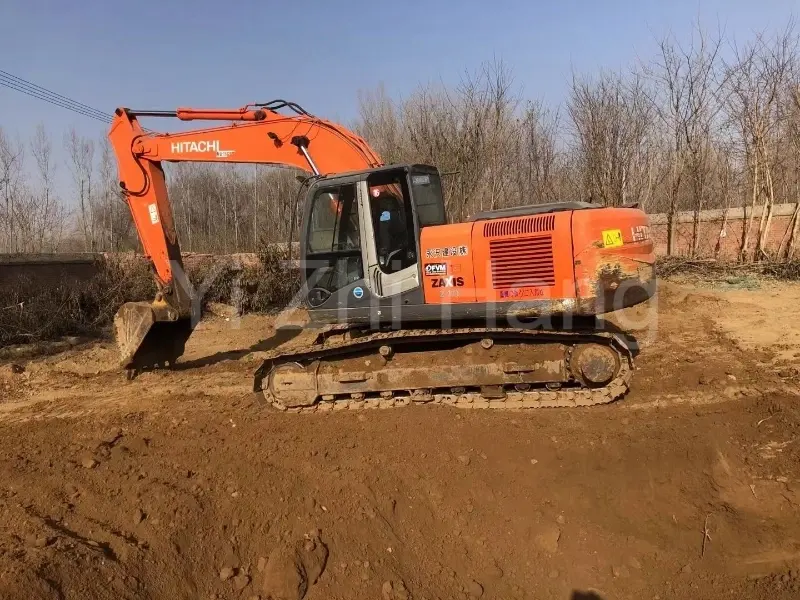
612, 238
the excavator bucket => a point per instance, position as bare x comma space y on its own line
149, 336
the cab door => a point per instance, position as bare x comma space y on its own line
389, 234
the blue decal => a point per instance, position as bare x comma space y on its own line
358, 293
386, 216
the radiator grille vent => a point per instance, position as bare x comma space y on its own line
526, 262
521, 226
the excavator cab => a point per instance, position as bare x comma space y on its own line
361, 241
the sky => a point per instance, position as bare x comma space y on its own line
320, 53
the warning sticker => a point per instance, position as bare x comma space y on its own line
612, 238
153, 213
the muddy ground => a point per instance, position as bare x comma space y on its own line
181, 484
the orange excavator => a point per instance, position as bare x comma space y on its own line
498, 311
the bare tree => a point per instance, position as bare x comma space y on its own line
45, 213
12, 181
490, 103
255, 207
537, 154
611, 120
110, 202
755, 82
380, 122
789, 242
726, 174
685, 100
81, 163
470, 131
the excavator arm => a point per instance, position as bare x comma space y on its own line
155, 333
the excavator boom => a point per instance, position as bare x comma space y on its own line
263, 137
154, 333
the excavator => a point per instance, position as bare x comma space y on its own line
403, 307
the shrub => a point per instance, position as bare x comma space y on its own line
30, 312
249, 286
278, 281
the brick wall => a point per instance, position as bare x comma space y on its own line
48, 270
710, 231
71, 270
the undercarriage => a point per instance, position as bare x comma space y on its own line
350, 368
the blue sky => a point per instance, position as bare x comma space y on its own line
319, 53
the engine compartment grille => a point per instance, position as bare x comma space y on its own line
522, 262
521, 226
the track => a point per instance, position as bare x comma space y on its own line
333, 346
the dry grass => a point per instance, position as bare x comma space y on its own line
711, 270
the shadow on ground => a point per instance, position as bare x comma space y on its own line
281, 336
581, 595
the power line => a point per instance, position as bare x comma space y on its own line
68, 107
36, 91
19, 81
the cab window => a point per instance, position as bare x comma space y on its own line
333, 245
334, 221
